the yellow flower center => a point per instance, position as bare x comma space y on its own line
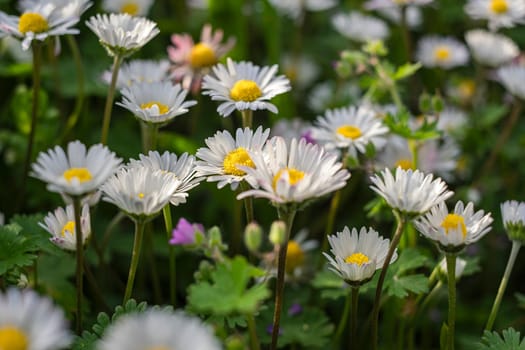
140, 195
245, 90
81, 174
68, 227
357, 258
499, 6
452, 222
467, 88
163, 109
442, 53
294, 176
235, 158
32, 22
294, 256
349, 131
202, 55
12, 338
405, 164
131, 8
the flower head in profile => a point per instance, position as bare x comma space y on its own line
410, 191
182, 168
453, 231
293, 174
498, 13
513, 216
122, 34
511, 77
460, 267
349, 129
359, 27
137, 71
443, 52
131, 7
158, 329
79, 172
61, 225
191, 61
29, 321
297, 253
155, 103
491, 49
357, 256
244, 86
185, 231
296, 8
221, 161
140, 192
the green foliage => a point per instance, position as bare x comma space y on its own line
16, 250
34, 232
521, 300
331, 285
511, 340
406, 70
400, 124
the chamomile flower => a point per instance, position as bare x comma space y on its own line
122, 34
359, 27
79, 172
443, 52
191, 61
357, 256
498, 13
293, 174
157, 102
183, 168
38, 22
137, 71
296, 8
131, 7
61, 225
453, 231
489, 48
511, 77
140, 192
410, 191
158, 329
29, 321
222, 159
244, 86
513, 216
349, 129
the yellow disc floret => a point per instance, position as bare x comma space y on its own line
131, 8
81, 174
32, 22
294, 176
238, 156
499, 6
202, 55
405, 164
68, 227
453, 222
140, 195
357, 258
12, 338
442, 53
349, 131
163, 109
294, 256
245, 90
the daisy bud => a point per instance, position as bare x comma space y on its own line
277, 232
253, 236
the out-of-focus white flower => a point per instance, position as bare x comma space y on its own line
131, 7
296, 8
512, 77
490, 48
460, 267
360, 27
413, 14
301, 70
327, 95
444, 52
498, 13
293, 128
451, 119
138, 71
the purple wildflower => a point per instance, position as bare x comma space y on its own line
185, 231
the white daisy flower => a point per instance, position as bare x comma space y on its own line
131, 7
68, 8
349, 128
222, 159
413, 15
137, 71
79, 172
38, 22
513, 216
451, 119
140, 192
453, 231
512, 77
243, 85
158, 329
360, 27
122, 34
490, 48
294, 174
293, 128
410, 191
498, 13
295, 8
183, 168
157, 102
61, 225
358, 256
442, 52
29, 321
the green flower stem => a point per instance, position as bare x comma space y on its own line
353, 318
117, 61
401, 221
342, 322
252, 330
451, 270
407, 39
390, 85
248, 203
247, 116
287, 215
428, 298
503, 284
166, 211
149, 132
80, 262
137, 244
334, 205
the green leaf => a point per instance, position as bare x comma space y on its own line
410, 259
511, 340
400, 286
331, 285
443, 335
406, 70
15, 249
229, 290
33, 231
521, 300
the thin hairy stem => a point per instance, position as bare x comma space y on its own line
135, 255
117, 61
